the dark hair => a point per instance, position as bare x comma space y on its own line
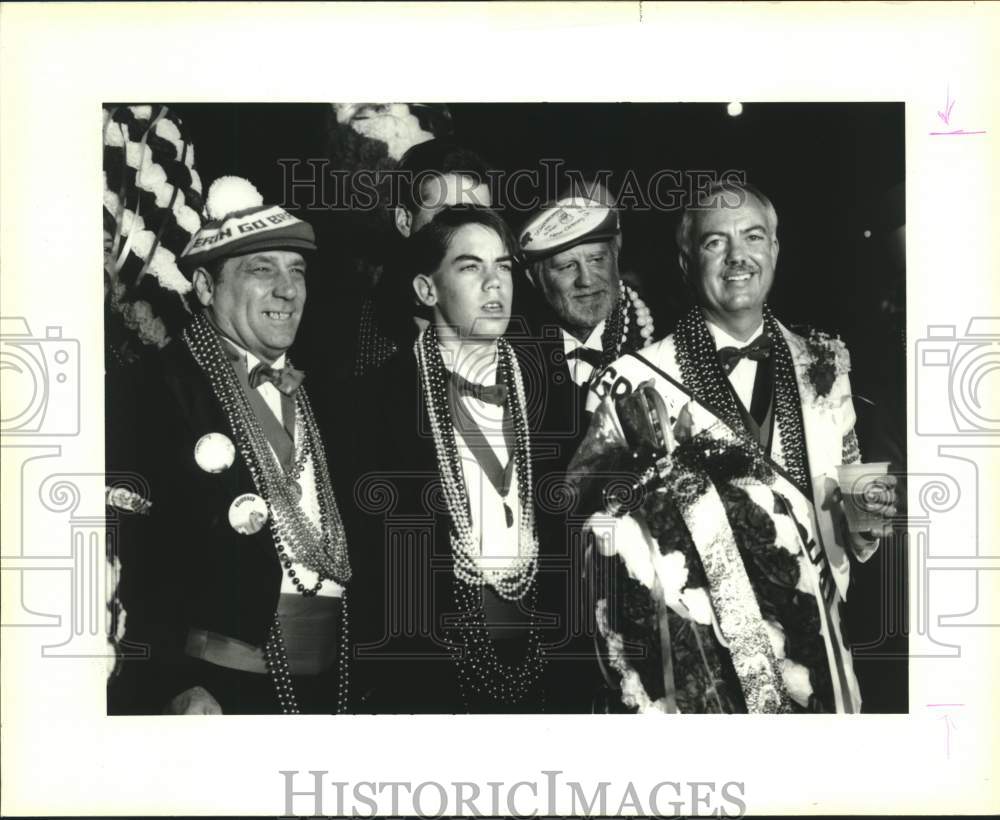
436, 157
214, 269
426, 249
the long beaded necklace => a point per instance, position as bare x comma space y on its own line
480, 671
513, 581
323, 551
703, 375
276, 661
629, 327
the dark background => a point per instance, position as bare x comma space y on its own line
833, 171
828, 168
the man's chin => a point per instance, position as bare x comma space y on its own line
487, 335
279, 343
489, 327
587, 319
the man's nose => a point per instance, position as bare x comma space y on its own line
586, 275
736, 253
285, 286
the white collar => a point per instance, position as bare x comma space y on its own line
723, 339
252, 361
593, 341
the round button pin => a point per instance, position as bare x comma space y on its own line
248, 514
214, 452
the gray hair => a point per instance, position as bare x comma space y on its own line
686, 223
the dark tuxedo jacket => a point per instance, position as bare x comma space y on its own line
404, 577
559, 423
184, 566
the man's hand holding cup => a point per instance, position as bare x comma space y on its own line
869, 498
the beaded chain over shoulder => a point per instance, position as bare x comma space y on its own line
703, 375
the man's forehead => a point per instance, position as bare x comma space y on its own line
577, 251
441, 190
749, 214
478, 240
277, 255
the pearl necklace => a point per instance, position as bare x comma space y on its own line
512, 582
629, 327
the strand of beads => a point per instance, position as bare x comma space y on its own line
629, 326
643, 318
481, 673
511, 582
700, 371
465, 545
522, 455
788, 406
276, 661
295, 537
324, 551
615, 330
343, 656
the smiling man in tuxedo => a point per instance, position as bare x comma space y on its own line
239, 588
732, 371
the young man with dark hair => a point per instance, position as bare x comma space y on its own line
451, 564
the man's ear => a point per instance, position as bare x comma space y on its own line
775, 241
423, 286
204, 286
682, 260
404, 221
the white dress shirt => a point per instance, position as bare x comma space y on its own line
309, 502
579, 370
743, 375
498, 543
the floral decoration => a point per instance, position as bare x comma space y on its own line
827, 360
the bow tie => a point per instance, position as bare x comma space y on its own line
494, 394
287, 379
757, 350
588, 354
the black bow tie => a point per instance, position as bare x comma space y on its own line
287, 379
494, 394
588, 354
757, 350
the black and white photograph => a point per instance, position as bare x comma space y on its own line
480, 401
556, 451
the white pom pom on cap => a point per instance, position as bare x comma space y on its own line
230, 194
